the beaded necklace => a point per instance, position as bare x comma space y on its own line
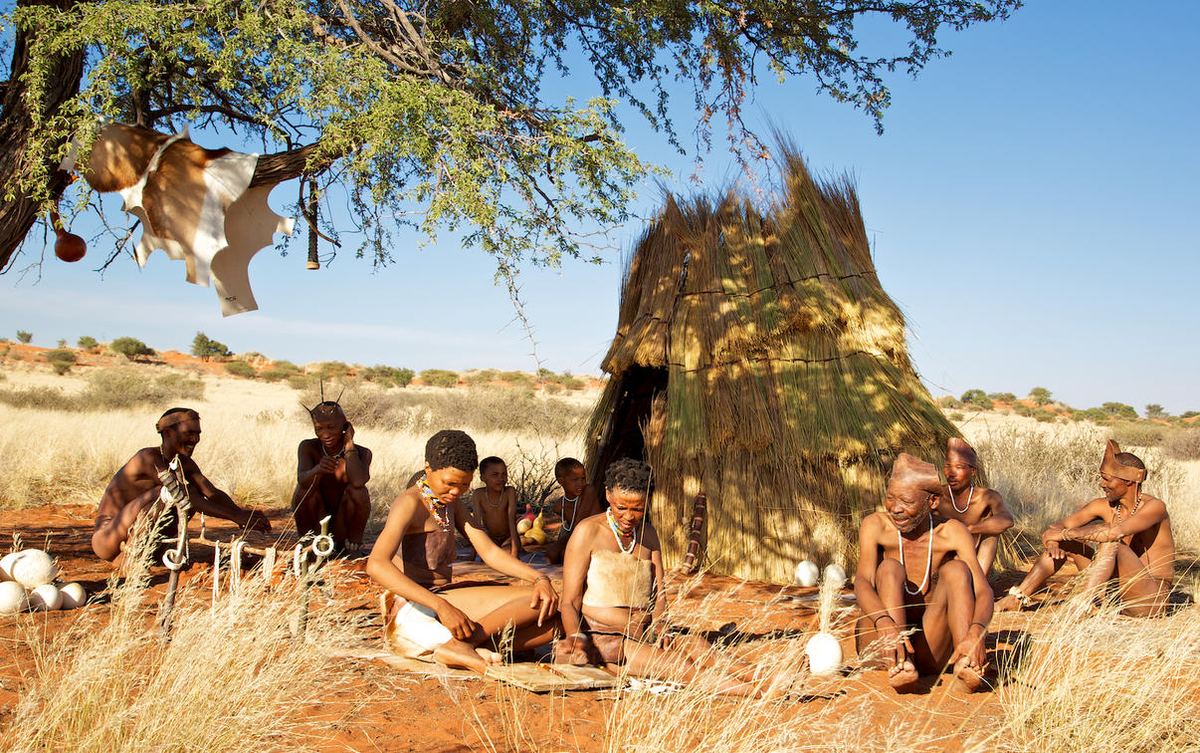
1136, 505
954, 504
435, 506
928, 560
612, 524
574, 511
487, 498
341, 453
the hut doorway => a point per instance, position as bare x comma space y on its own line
623, 436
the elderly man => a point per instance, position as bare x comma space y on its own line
917, 569
980, 509
331, 479
1124, 536
135, 489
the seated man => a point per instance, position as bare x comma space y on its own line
135, 488
944, 595
613, 592
497, 519
331, 479
983, 511
577, 502
426, 616
1124, 535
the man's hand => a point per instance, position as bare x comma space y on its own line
545, 596
889, 635
326, 465
256, 521
348, 436
456, 621
974, 648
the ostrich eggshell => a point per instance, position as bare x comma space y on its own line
836, 574
6, 564
12, 597
807, 573
45, 598
824, 655
73, 596
33, 567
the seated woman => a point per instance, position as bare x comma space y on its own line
425, 615
613, 594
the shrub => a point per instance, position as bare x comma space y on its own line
516, 378
331, 370
1138, 433
553, 388
241, 369
130, 347
286, 366
1039, 395
87, 342
1021, 409
205, 348
572, 383
61, 367
111, 388
1120, 410
1154, 410
949, 401
977, 399
60, 355
1044, 416
480, 377
1189, 414
272, 374
301, 381
24, 337
957, 416
1003, 397
1183, 444
439, 378
1098, 415
388, 375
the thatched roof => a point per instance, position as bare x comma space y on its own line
788, 388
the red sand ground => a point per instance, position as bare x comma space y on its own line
429, 714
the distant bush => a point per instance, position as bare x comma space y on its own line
1044, 416
1189, 414
287, 366
1138, 433
24, 337
61, 367
957, 416
516, 378
480, 377
301, 381
439, 378
1039, 395
1154, 410
206, 348
977, 399
388, 375
949, 401
572, 383
109, 389
87, 342
1003, 397
331, 370
273, 374
1183, 444
1097, 415
1021, 409
241, 369
1120, 410
60, 355
553, 388
130, 347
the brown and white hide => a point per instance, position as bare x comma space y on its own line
193, 202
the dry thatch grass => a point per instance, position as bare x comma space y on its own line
758, 357
230, 678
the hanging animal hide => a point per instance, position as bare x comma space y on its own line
194, 203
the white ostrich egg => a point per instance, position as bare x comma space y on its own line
33, 567
835, 574
807, 573
12, 597
6, 564
824, 655
45, 598
73, 596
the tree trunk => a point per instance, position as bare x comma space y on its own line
18, 216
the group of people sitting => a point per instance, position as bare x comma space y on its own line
921, 581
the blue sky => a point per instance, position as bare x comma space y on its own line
1030, 203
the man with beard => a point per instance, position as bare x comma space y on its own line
331, 479
135, 489
919, 570
1124, 536
982, 510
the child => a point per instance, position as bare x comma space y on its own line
495, 505
577, 502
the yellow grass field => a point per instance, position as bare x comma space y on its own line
1069, 676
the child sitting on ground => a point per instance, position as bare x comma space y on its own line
577, 502
495, 505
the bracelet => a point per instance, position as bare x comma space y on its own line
579, 635
980, 624
875, 622
1063, 535
542, 577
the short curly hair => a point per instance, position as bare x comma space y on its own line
451, 448
628, 475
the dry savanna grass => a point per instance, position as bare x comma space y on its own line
1083, 678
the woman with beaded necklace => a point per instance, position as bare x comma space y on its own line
426, 615
613, 602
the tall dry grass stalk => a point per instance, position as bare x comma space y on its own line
1091, 680
231, 677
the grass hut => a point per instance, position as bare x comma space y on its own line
757, 358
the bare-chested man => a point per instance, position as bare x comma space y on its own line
980, 509
136, 487
331, 479
917, 569
577, 502
426, 615
1125, 535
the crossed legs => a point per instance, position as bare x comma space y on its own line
493, 609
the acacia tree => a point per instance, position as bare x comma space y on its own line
432, 114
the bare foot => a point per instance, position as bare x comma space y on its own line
1009, 603
489, 656
903, 677
969, 675
460, 655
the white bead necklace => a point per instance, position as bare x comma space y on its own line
1136, 505
954, 504
928, 561
574, 511
487, 497
612, 524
